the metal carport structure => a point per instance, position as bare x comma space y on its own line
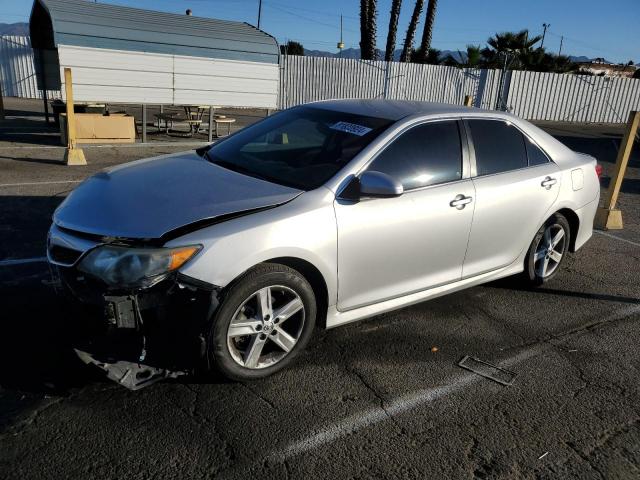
128, 55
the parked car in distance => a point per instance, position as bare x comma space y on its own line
320, 215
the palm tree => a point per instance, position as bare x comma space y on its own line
393, 29
427, 32
411, 31
368, 29
518, 44
364, 28
373, 16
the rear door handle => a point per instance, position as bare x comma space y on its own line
460, 201
548, 182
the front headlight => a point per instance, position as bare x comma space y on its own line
134, 267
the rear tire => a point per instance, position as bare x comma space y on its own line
547, 251
266, 318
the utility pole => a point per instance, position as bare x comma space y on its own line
259, 11
544, 33
340, 43
560, 49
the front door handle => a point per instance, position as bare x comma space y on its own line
548, 182
460, 201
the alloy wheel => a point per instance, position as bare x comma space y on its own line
550, 251
265, 327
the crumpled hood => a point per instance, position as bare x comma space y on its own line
149, 198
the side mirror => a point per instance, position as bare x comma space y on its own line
379, 185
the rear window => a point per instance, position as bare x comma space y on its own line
302, 147
499, 147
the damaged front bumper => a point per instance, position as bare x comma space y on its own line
141, 336
137, 335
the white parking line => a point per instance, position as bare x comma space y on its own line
618, 238
395, 407
38, 183
22, 261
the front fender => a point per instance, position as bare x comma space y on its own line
304, 228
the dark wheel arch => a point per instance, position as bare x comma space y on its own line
315, 278
574, 225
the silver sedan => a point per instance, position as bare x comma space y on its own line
320, 215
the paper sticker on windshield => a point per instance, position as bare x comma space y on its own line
350, 128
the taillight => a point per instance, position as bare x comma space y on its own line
598, 170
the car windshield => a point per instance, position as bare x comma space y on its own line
302, 147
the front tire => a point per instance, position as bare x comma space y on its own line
547, 251
266, 318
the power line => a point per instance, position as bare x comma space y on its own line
313, 20
582, 43
318, 12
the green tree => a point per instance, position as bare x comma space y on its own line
433, 57
471, 58
407, 49
292, 48
393, 30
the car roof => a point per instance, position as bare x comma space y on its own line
396, 109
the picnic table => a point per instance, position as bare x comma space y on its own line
194, 114
167, 118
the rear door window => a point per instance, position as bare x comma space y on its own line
499, 147
427, 154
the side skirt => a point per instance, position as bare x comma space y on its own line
336, 318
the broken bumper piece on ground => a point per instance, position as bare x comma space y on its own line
133, 376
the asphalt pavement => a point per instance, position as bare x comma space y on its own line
381, 398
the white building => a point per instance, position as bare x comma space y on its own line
127, 55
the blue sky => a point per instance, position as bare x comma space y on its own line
592, 28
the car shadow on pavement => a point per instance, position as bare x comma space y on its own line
510, 284
24, 222
35, 338
46, 161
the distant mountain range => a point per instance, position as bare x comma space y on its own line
14, 28
354, 53
460, 56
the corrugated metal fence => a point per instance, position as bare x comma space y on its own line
306, 79
17, 69
572, 98
531, 95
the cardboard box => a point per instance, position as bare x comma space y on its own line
98, 128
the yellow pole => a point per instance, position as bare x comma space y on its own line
468, 101
608, 217
73, 155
